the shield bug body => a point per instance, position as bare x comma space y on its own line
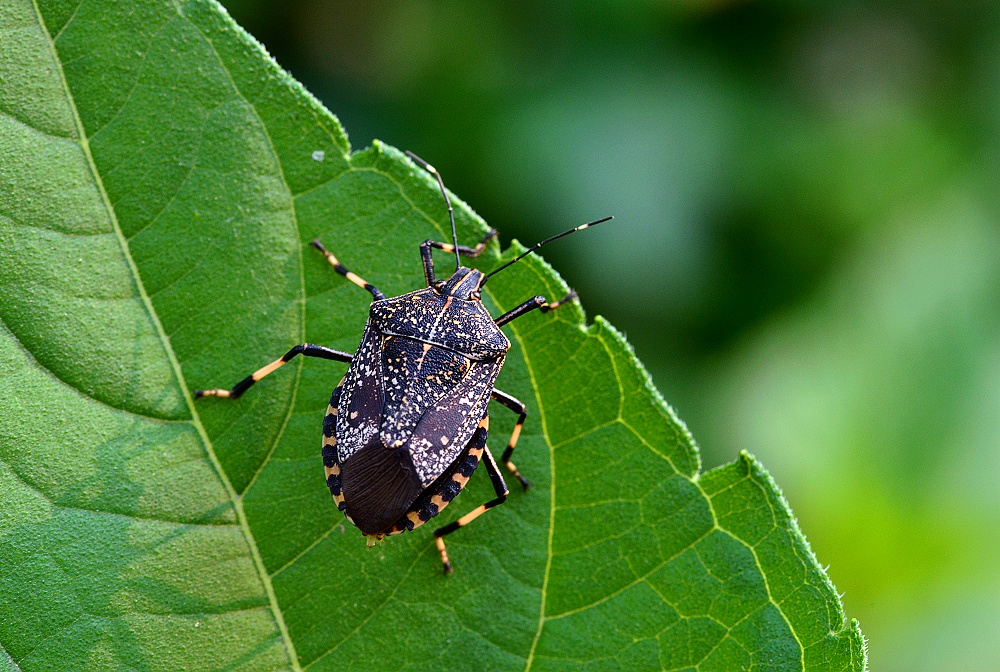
407, 425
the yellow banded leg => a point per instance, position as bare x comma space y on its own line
518, 407
306, 349
549, 307
446, 492
454, 247
443, 550
353, 277
472, 252
534, 303
501, 490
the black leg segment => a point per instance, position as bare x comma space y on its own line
306, 349
447, 200
471, 252
518, 407
498, 486
531, 304
337, 266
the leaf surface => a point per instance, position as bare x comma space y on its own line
160, 179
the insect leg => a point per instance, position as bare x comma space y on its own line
518, 407
472, 252
447, 200
306, 349
549, 307
501, 489
337, 266
538, 302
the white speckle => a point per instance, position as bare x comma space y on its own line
318, 155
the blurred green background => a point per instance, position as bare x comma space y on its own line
806, 248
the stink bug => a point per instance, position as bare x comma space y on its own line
407, 425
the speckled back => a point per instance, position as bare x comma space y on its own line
459, 325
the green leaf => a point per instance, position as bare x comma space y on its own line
160, 178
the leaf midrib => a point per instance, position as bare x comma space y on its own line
235, 499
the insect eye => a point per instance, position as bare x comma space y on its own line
439, 285
476, 295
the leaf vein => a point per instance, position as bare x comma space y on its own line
767, 587
138, 76
308, 548
70, 20
374, 611
637, 581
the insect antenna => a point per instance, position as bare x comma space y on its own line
444, 192
544, 242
